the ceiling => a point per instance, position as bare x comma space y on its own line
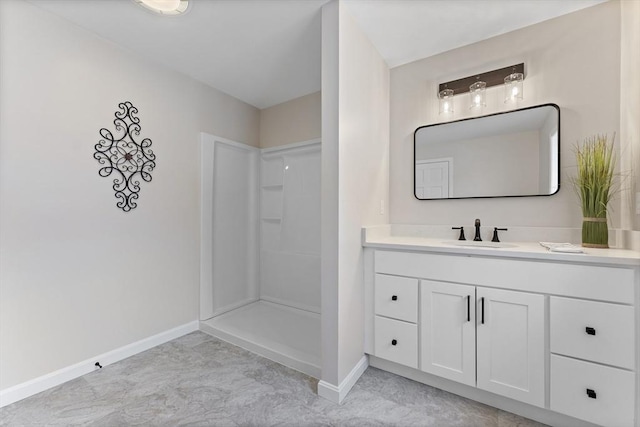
404, 31
266, 52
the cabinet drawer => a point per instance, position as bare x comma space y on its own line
612, 391
396, 297
594, 331
396, 341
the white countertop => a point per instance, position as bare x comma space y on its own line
382, 239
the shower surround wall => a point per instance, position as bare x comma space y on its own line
290, 226
229, 203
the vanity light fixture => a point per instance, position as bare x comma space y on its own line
446, 101
165, 7
477, 94
511, 77
513, 87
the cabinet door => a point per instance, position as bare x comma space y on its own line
448, 330
510, 348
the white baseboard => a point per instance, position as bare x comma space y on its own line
52, 379
336, 394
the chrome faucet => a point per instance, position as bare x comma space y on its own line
477, 238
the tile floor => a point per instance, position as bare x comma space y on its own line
202, 381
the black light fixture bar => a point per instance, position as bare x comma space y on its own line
491, 78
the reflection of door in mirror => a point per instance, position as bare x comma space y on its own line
433, 178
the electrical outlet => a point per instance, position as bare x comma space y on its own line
382, 207
638, 203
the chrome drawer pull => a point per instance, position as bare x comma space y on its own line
394, 298
394, 342
590, 331
591, 393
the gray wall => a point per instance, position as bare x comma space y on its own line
587, 40
293, 121
79, 277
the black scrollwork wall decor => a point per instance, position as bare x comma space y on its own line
121, 155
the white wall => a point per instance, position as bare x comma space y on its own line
329, 239
630, 111
293, 121
573, 61
355, 141
79, 277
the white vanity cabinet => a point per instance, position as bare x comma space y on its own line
551, 340
505, 340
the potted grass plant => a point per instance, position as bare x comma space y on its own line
594, 185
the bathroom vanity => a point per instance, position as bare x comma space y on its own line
550, 336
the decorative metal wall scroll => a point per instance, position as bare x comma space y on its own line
127, 159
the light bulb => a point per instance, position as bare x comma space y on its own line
513, 87
477, 93
446, 101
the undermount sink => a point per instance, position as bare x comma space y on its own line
474, 244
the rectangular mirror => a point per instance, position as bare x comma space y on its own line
515, 153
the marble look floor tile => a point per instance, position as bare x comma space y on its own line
199, 380
433, 404
507, 419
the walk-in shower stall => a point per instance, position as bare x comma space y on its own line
260, 249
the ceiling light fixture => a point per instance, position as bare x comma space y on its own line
165, 7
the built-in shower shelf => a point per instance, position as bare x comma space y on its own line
272, 219
272, 187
